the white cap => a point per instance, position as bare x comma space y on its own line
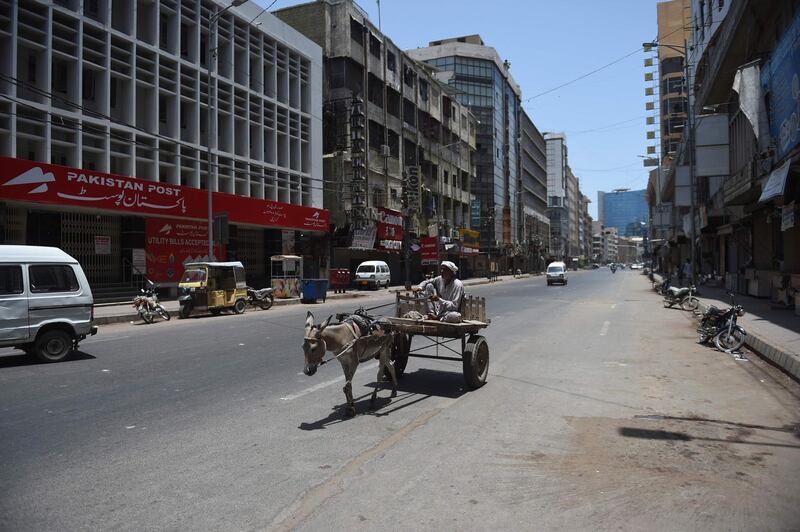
450, 266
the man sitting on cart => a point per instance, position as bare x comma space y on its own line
443, 294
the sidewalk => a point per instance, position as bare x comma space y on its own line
774, 334
122, 312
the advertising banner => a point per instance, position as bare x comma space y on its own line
390, 230
59, 185
780, 79
429, 253
475, 213
170, 244
364, 238
470, 238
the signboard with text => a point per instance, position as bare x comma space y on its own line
172, 243
390, 230
781, 79
429, 252
30, 181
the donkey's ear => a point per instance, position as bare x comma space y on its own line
309, 320
325, 323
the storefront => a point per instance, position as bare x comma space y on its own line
117, 226
379, 240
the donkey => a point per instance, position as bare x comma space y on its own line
350, 348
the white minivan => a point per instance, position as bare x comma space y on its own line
556, 273
46, 305
373, 274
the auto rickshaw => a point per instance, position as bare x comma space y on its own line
212, 286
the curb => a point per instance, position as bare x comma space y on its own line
788, 362
108, 320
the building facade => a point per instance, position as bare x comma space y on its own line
626, 210
535, 229
106, 107
484, 83
557, 199
412, 123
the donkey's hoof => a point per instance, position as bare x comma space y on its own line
350, 411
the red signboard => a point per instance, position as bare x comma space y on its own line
429, 254
390, 230
30, 181
171, 244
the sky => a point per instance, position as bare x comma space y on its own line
549, 43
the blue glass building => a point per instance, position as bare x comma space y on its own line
624, 209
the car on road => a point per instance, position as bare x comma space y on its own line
46, 304
556, 273
373, 274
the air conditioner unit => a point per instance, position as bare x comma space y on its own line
385, 151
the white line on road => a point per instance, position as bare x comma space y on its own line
604, 330
614, 306
322, 385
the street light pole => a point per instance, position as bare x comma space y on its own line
211, 175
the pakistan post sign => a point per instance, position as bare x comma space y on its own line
781, 79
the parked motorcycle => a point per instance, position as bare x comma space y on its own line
662, 288
613, 268
685, 296
720, 324
260, 298
147, 305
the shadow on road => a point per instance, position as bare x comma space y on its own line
413, 388
19, 360
647, 434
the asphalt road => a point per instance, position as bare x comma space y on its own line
600, 413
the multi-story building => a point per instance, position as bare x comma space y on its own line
104, 128
413, 123
573, 214
743, 144
585, 228
604, 242
535, 229
484, 84
674, 30
624, 209
557, 199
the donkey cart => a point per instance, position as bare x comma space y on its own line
474, 353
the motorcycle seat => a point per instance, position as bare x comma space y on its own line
714, 311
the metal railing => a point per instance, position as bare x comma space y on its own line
132, 275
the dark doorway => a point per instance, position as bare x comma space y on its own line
44, 229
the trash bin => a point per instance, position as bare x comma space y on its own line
340, 279
314, 289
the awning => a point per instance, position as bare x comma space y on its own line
776, 182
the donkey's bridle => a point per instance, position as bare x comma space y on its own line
344, 348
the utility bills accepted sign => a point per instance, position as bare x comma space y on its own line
29, 181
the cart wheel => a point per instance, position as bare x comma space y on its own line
239, 306
476, 362
400, 349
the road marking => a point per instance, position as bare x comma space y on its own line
322, 385
604, 330
614, 306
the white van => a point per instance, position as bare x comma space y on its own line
46, 305
556, 273
373, 274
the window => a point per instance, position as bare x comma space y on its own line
113, 102
10, 280
92, 7
52, 278
423, 90
336, 73
356, 32
162, 109
88, 84
162, 33
184, 40
374, 45
59, 77
32, 68
391, 61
